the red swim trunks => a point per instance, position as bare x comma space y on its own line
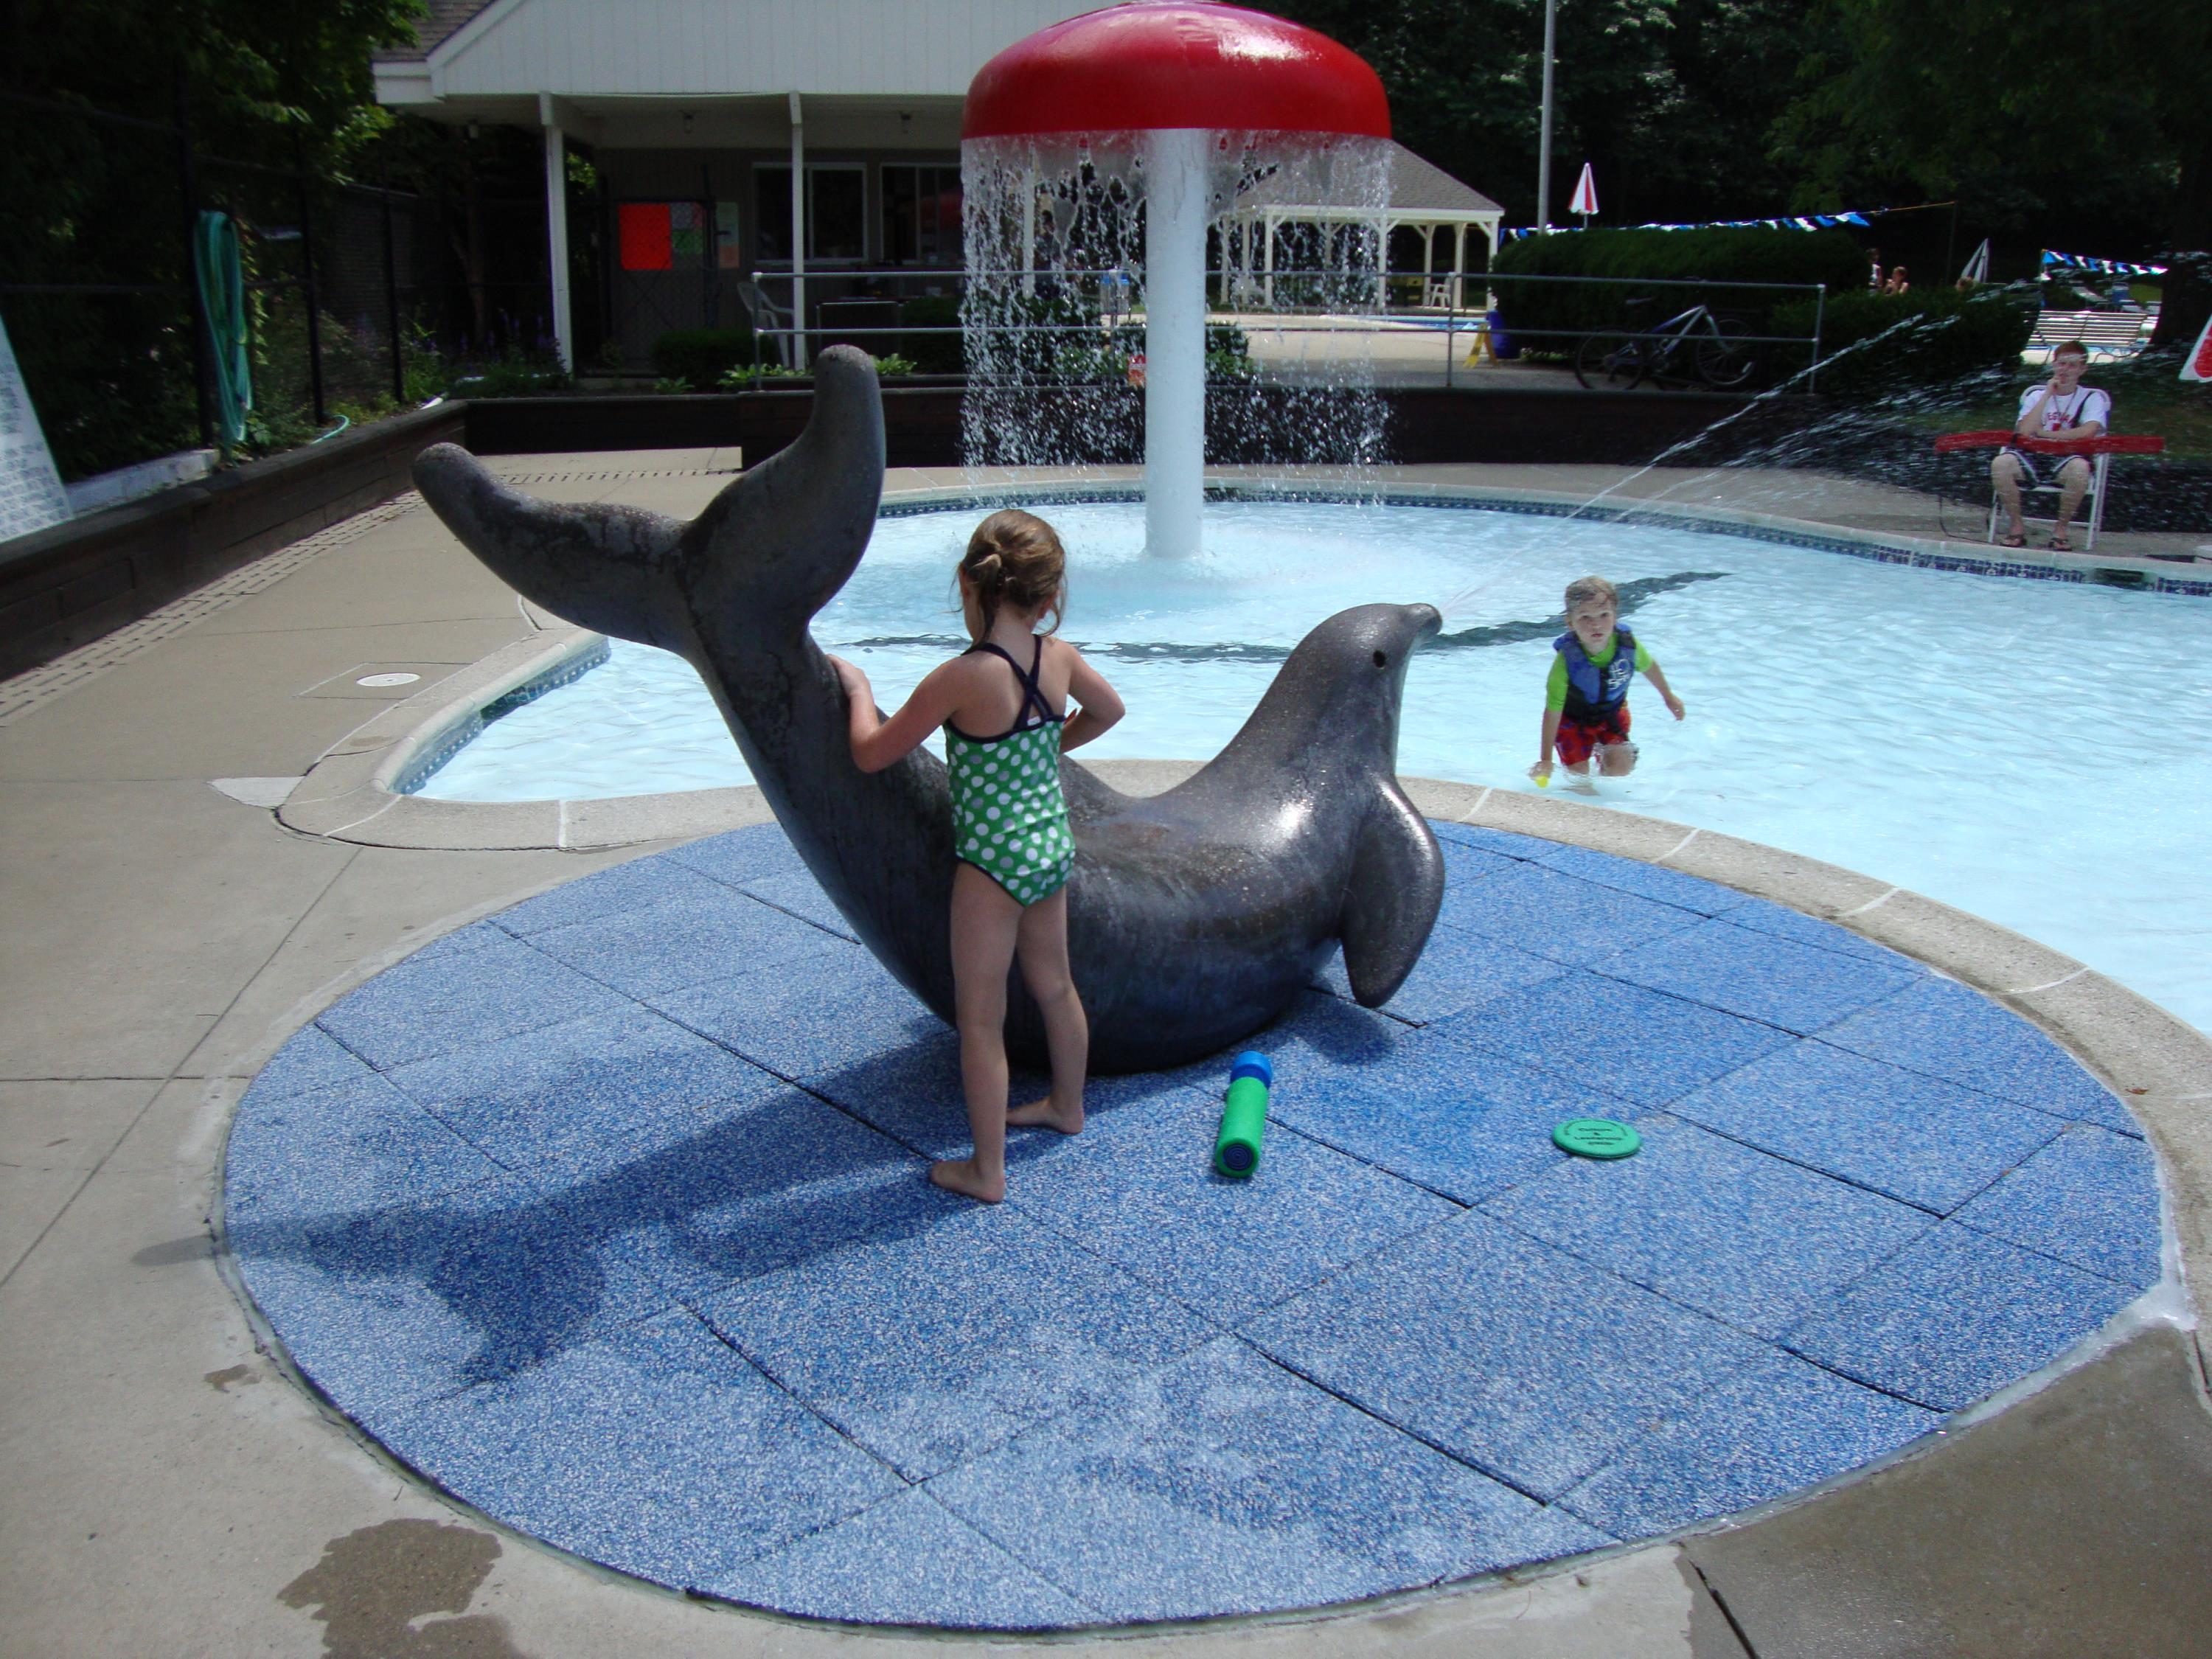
1577, 738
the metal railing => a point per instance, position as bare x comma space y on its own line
1107, 298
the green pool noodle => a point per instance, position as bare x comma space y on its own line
1243, 1120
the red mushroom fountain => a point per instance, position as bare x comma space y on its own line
1186, 91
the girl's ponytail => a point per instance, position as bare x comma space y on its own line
1015, 558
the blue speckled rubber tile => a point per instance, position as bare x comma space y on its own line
654, 1449
1502, 841
1713, 1225
395, 1306
741, 855
1457, 970
589, 1093
781, 1181
311, 1059
1733, 968
1222, 1484
1913, 1138
708, 941
1651, 881
1466, 868
929, 1347
532, 1337
1613, 1037
1519, 1358
2090, 1198
356, 1146
1551, 914
908, 1560
815, 1014
622, 890
1782, 1427
419, 1009
801, 896
1460, 1122
1949, 1030
1228, 1249
462, 940
1779, 921
1956, 1315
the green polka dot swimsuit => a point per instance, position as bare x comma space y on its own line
1009, 818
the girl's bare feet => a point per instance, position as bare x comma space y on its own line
1047, 1114
960, 1175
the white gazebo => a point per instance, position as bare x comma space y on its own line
1422, 199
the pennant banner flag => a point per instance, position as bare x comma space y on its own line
2103, 267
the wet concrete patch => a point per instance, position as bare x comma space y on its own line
379, 1593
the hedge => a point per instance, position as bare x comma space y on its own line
933, 354
1953, 334
701, 356
1746, 255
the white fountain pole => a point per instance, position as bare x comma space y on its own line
1176, 202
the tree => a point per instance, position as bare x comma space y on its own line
2092, 127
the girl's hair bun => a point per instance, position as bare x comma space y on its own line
1015, 558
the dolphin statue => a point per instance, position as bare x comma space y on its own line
1194, 917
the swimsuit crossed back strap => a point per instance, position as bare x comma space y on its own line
1009, 816
1034, 710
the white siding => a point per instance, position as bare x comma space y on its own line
704, 48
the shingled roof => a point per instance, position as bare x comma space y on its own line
1416, 187
442, 19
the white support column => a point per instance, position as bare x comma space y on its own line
1268, 255
1176, 216
1028, 231
1428, 259
796, 357
1459, 267
556, 229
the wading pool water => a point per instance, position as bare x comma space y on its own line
2033, 751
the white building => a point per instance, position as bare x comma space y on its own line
730, 135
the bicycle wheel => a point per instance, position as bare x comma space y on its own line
1724, 361
1611, 362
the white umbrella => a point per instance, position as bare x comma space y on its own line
1585, 202
1977, 267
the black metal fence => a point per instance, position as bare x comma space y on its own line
360, 298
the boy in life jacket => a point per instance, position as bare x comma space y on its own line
1586, 699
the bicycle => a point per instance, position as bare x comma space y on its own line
1692, 345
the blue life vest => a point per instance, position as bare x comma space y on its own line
1593, 693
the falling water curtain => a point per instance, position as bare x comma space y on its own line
222, 293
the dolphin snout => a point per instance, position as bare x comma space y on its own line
1428, 620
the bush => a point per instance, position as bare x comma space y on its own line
1748, 255
1941, 335
933, 354
701, 356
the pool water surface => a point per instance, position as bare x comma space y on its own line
2032, 751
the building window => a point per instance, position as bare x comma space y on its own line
837, 213
921, 217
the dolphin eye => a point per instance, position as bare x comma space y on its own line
1382, 661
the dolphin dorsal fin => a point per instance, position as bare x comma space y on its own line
1391, 901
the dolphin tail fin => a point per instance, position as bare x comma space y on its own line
1397, 886
608, 569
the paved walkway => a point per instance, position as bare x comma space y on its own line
172, 1490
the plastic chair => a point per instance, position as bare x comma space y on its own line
2091, 514
2098, 451
771, 318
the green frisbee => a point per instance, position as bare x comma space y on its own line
1597, 1137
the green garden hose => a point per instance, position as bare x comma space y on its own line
222, 295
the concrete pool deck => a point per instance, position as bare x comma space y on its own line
172, 1491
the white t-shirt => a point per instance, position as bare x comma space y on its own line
2061, 414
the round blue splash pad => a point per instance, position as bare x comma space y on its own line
608, 1215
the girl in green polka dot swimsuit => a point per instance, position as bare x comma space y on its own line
1010, 828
